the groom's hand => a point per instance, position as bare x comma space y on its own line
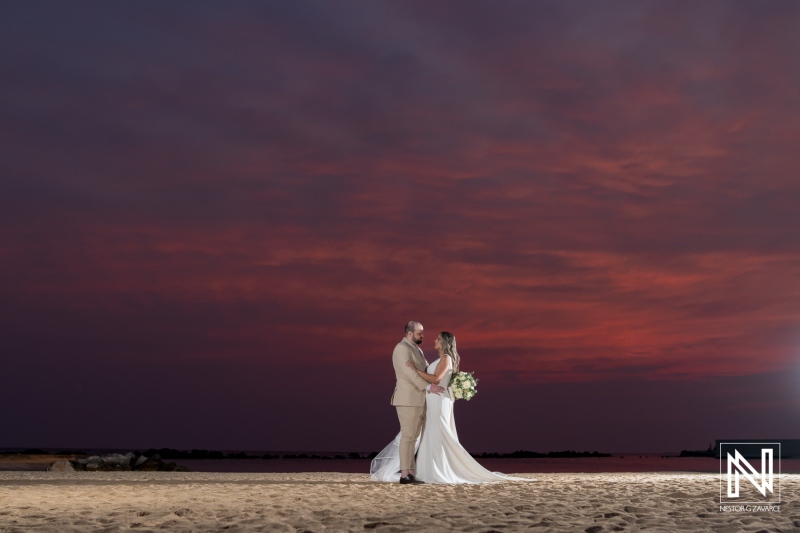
436, 389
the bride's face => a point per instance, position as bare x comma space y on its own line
437, 343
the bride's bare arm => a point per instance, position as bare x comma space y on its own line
432, 378
424, 375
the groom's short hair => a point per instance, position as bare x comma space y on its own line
411, 327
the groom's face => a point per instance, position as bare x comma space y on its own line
418, 335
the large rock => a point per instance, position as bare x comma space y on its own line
62, 465
116, 461
91, 464
149, 465
107, 463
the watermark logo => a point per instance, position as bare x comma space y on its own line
742, 484
737, 464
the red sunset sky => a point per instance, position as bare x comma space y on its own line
216, 218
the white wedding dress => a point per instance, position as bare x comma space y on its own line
440, 457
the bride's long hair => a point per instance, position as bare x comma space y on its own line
447, 346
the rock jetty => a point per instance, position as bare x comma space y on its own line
116, 462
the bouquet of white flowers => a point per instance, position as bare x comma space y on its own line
463, 385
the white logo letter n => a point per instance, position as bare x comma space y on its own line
764, 477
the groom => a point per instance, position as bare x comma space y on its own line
409, 396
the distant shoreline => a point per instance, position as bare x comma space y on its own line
10, 461
200, 454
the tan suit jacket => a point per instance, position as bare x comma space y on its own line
410, 388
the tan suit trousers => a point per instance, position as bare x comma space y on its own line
411, 421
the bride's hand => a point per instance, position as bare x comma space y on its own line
409, 363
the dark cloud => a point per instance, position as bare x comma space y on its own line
590, 198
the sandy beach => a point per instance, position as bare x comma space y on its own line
198, 501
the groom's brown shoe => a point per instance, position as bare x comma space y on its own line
411, 479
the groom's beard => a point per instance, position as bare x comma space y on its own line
418, 341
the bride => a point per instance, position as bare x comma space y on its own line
440, 457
